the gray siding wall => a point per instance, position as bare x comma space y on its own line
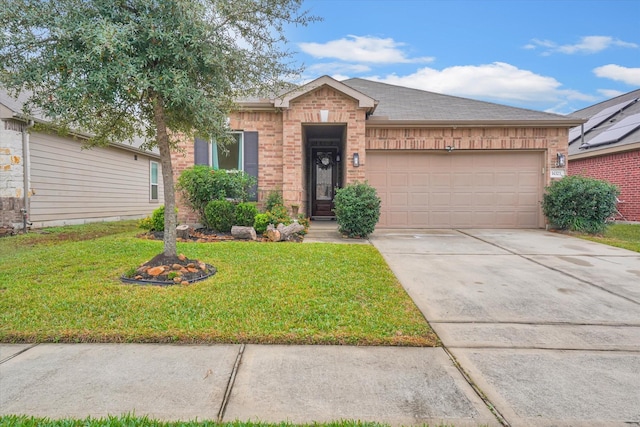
74, 186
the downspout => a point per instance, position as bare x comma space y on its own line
26, 159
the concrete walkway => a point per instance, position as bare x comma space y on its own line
540, 328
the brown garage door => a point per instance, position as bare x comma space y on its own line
458, 189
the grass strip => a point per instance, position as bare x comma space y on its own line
626, 236
63, 287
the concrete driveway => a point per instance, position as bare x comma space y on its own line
546, 326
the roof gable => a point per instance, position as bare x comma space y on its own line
364, 101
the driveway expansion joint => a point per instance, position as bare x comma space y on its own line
6, 359
230, 383
492, 408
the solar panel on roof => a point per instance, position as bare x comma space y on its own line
616, 132
599, 118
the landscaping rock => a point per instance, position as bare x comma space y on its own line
246, 233
155, 271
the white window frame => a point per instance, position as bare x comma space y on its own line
213, 155
151, 183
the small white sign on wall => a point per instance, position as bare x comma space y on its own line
557, 173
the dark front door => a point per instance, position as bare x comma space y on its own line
324, 180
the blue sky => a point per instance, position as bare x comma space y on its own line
557, 56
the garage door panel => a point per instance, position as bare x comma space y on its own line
401, 218
459, 200
419, 179
419, 199
398, 199
399, 179
419, 219
484, 199
439, 200
459, 189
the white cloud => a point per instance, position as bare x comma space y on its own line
610, 93
626, 75
364, 49
337, 67
586, 45
497, 81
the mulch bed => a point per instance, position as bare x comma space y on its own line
203, 235
165, 271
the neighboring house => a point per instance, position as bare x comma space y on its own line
65, 184
607, 147
437, 161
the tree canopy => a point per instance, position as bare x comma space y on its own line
152, 69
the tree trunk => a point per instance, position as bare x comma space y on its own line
162, 139
286, 231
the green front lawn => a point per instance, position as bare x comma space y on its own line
625, 236
63, 286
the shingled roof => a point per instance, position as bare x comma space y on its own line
605, 115
398, 103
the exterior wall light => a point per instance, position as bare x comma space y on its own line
560, 160
356, 160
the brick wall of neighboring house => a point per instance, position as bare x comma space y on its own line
621, 169
553, 140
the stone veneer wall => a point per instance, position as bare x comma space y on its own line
11, 173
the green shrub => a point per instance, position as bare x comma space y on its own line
357, 208
145, 223
201, 184
273, 199
579, 203
155, 222
261, 222
304, 221
220, 215
157, 219
246, 214
279, 215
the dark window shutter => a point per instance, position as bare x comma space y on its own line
251, 157
201, 152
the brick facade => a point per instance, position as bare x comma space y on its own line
282, 141
620, 169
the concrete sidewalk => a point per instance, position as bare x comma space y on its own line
300, 384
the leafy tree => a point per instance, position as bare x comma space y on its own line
160, 70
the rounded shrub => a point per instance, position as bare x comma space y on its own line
261, 222
220, 215
357, 209
579, 203
246, 214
